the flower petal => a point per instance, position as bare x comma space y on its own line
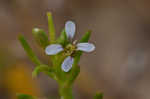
53, 49
86, 47
70, 29
67, 64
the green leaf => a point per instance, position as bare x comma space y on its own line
86, 37
25, 96
28, 50
40, 37
98, 95
51, 27
62, 39
43, 68
73, 75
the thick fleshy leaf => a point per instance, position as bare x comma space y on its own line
86, 37
67, 64
53, 49
62, 39
51, 27
70, 29
28, 50
43, 68
40, 37
86, 47
73, 75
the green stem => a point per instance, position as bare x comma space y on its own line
51, 28
65, 92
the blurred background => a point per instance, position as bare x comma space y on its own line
121, 32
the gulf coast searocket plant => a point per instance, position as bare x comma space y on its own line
64, 55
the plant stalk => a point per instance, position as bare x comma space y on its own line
65, 92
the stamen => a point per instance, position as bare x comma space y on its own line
74, 42
70, 49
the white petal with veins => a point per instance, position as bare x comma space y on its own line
86, 47
67, 64
53, 49
70, 29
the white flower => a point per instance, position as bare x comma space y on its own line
54, 49
70, 29
67, 64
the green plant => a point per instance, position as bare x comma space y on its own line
64, 55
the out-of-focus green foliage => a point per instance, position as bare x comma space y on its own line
98, 95
25, 96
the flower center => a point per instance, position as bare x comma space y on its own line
70, 49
